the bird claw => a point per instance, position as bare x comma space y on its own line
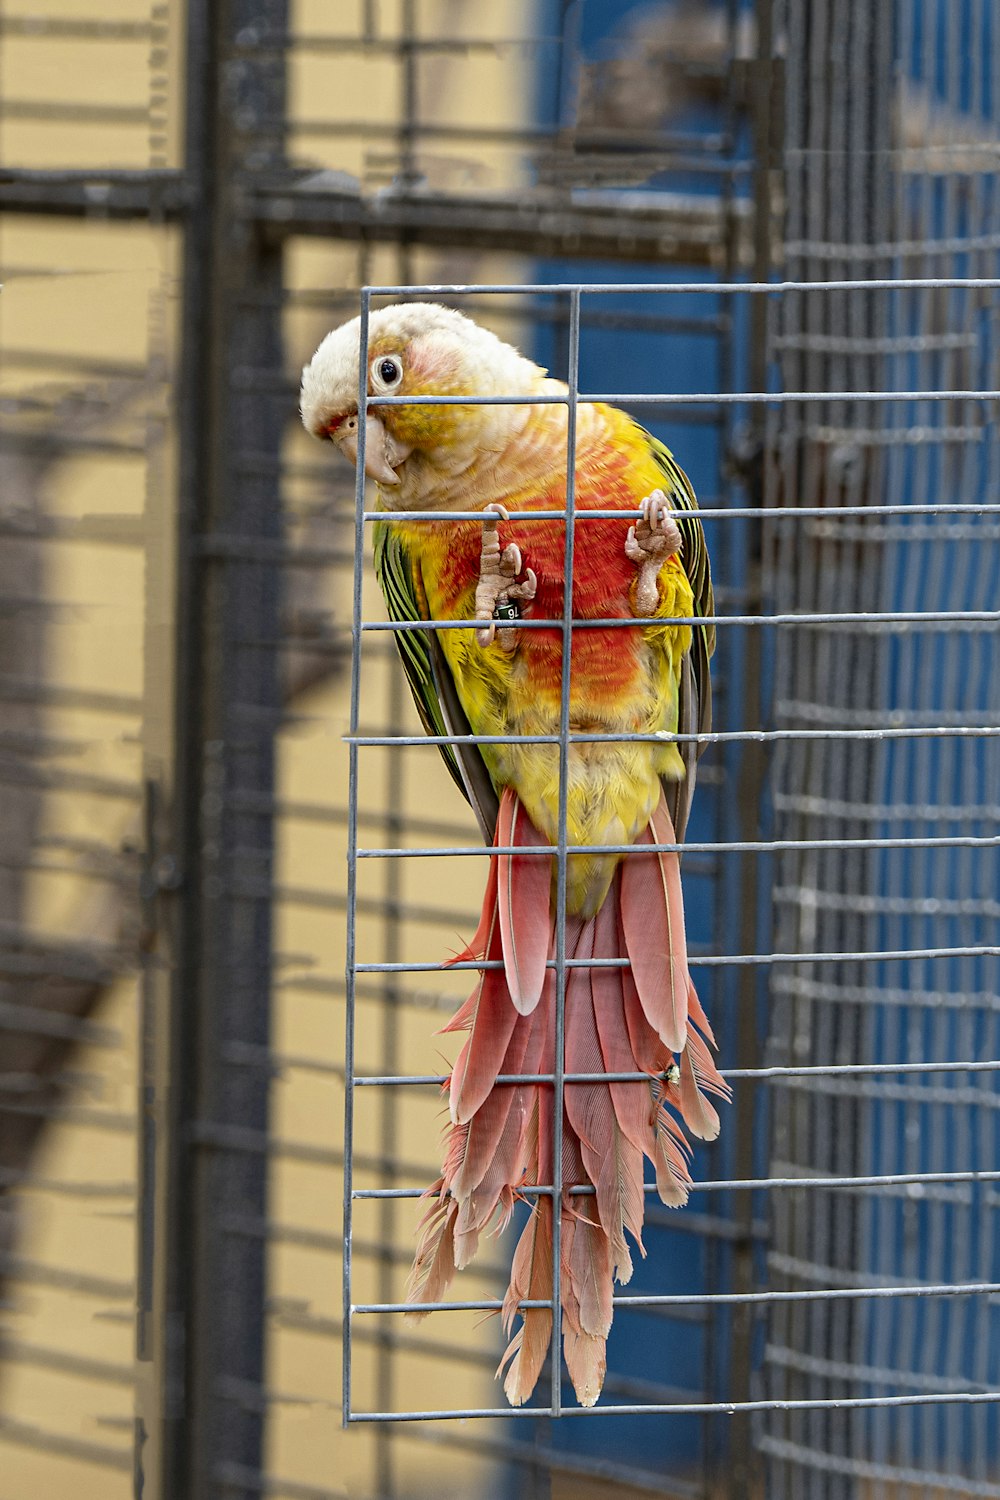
655, 537
498, 588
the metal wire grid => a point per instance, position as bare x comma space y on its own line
832, 620
414, 911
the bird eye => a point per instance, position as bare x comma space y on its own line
387, 371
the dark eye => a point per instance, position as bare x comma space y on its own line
389, 371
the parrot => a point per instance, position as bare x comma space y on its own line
639, 1014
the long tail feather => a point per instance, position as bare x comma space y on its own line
492, 1021
644, 1018
698, 1077
434, 1263
587, 1307
530, 1278
699, 1116
671, 1153
619, 1053
523, 883
479, 1201
613, 1164
490, 1120
653, 924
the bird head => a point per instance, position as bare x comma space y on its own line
416, 453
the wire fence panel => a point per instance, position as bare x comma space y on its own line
832, 1124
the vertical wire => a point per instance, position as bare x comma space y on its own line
406, 58
394, 830
559, 1061
352, 844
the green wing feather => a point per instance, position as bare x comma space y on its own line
429, 676
695, 691
395, 576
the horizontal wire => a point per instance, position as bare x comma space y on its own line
704, 324
699, 1299
722, 737
898, 1179
765, 512
869, 618
389, 1080
738, 846
482, 1356
688, 1408
681, 288
693, 398
715, 960
434, 999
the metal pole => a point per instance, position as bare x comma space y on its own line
210, 756
738, 1470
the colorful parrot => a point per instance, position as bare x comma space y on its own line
497, 678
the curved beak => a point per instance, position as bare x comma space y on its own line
383, 453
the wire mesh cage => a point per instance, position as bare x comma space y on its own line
769, 231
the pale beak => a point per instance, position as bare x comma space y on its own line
382, 452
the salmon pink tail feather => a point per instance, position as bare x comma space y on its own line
640, 1017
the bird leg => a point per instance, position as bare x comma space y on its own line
497, 589
649, 543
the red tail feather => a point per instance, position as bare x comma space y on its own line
492, 1021
434, 1264
586, 1301
523, 888
617, 1020
653, 924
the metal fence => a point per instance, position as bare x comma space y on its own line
770, 231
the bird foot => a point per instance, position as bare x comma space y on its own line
498, 591
654, 538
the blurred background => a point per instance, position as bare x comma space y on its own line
190, 197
